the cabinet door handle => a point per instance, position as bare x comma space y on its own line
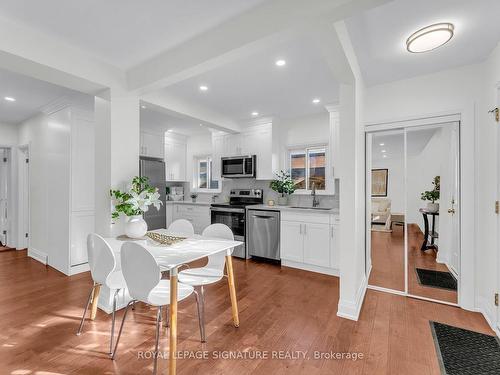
331, 231
305, 229
300, 229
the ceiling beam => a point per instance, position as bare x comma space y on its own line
26, 51
239, 37
163, 102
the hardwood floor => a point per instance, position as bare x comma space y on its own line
388, 263
280, 309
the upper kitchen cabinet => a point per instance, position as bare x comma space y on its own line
175, 158
151, 144
255, 140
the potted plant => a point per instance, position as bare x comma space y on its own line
432, 195
193, 197
283, 185
133, 203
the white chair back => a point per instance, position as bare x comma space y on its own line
218, 261
181, 227
140, 270
101, 258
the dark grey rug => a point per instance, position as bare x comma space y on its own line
436, 279
463, 352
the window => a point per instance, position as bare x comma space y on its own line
204, 179
308, 167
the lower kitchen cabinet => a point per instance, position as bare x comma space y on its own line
198, 215
309, 242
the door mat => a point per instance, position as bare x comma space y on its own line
436, 279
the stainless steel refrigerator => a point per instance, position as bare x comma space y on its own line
154, 169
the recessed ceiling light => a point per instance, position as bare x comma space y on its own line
280, 62
143, 106
203, 88
430, 37
169, 131
381, 144
254, 114
383, 151
201, 124
384, 156
10, 99
316, 101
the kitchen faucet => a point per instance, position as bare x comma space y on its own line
313, 194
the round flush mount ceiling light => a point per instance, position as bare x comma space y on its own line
203, 88
280, 62
316, 100
10, 99
430, 37
255, 114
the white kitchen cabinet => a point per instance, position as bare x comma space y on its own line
334, 246
233, 145
316, 244
197, 215
175, 159
151, 145
292, 241
309, 241
217, 154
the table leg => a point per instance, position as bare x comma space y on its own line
173, 323
95, 300
232, 290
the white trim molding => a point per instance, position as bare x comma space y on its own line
351, 309
38, 255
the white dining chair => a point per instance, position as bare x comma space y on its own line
181, 227
102, 263
209, 274
143, 277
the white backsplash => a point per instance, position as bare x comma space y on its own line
331, 201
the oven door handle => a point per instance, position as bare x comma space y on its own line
237, 210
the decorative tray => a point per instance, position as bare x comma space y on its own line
164, 239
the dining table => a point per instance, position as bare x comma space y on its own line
169, 259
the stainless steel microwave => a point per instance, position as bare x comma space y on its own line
238, 166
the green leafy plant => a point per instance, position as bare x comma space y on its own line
432, 195
283, 184
136, 200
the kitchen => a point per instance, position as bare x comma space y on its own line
212, 176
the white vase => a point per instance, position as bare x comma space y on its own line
136, 227
432, 207
282, 201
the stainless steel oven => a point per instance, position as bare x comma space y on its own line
238, 166
233, 214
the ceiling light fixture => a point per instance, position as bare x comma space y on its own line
10, 99
316, 101
384, 156
143, 106
381, 144
203, 88
383, 151
280, 62
430, 37
255, 114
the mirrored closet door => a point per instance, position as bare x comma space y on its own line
413, 210
385, 208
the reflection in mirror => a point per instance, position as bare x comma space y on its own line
385, 209
432, 211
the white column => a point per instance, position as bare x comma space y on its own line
333, 145
352, 190
117, 154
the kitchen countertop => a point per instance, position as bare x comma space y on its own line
332, 211
191, 203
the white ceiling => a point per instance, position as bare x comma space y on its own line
124, 32
257, 84
156, 119
30, 94
379, 36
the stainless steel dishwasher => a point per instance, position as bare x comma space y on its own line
263, 233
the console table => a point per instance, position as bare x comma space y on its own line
429, 235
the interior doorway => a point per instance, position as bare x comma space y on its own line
23, 197
413, 210
5, 201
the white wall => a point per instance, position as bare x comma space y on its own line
8, 134
462, 90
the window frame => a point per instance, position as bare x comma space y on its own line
306, 149
196, 175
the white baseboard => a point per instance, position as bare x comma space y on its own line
489, 316
73, 270
38, 255
310, 267
351, 309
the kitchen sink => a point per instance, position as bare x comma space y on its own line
312, 208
